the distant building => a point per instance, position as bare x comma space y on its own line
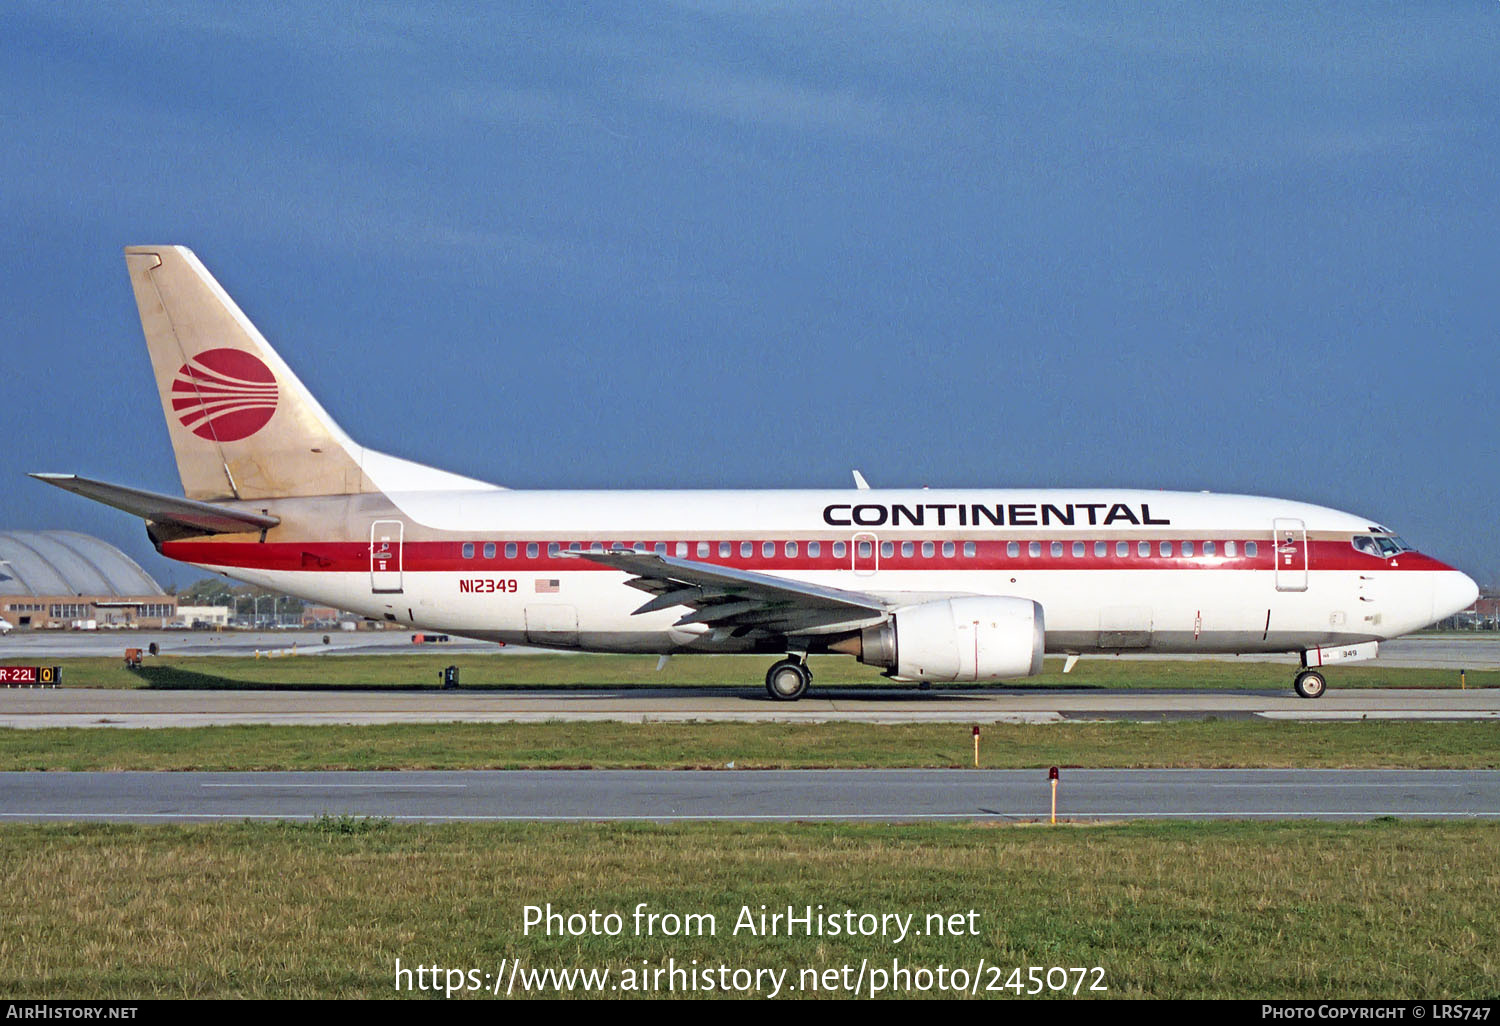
59, 579
1483, 615
324, 617
216, 616
320, 616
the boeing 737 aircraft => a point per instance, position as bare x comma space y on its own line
939, 585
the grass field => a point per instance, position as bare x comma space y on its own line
1383, 909
1196, 743
515, 671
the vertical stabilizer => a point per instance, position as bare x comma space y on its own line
242, 425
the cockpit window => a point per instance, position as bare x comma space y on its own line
1381, 545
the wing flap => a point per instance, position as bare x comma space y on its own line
721, 596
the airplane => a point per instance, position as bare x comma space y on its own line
937, 585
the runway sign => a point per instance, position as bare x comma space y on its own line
30, 676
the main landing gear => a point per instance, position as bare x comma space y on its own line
1310, 684
788, 680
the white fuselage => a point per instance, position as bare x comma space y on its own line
1113, 569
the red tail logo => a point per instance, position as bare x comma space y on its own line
224, 395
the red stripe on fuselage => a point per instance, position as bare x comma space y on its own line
447, 557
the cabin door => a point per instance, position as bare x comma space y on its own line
385, 556
1290, 543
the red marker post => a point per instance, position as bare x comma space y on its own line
1052, 776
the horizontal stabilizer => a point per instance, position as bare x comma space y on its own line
190, 514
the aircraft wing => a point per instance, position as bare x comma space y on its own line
189, 514
743, 600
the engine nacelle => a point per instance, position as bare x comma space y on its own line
957, 639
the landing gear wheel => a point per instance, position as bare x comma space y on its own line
788, 680
1310, 684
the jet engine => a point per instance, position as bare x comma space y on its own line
966, 639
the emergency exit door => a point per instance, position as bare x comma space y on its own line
385, 556
1290, 543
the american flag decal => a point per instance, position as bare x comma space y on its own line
547, 585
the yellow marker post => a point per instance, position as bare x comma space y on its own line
1463, 680
976, 747
1052, 776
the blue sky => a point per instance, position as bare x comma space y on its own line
1239, 247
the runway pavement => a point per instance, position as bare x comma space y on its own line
18, 646
886, 795
1448, 651
83, 707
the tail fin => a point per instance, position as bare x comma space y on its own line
242, 425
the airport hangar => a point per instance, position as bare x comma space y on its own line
61, 579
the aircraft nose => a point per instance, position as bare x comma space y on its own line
1452, 592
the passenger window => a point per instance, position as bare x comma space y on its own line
865, 549
575, 547
1165, 548
1210, 548
907, 549
747, 549
1034, 549
724, 550
767, 549
702, 550
531, 550
1143, 548
791, 549
596, 547
1012, 549
1187, 548
887, 549
553, 548
468, 550
839, 548
947, 550
1122, 548
1229, 548
969, 550
510, 550
814, 550
660, 548
1251, 548
1056, 549
681, 549
1100, 550
1078, 550
927, 549
489, 550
